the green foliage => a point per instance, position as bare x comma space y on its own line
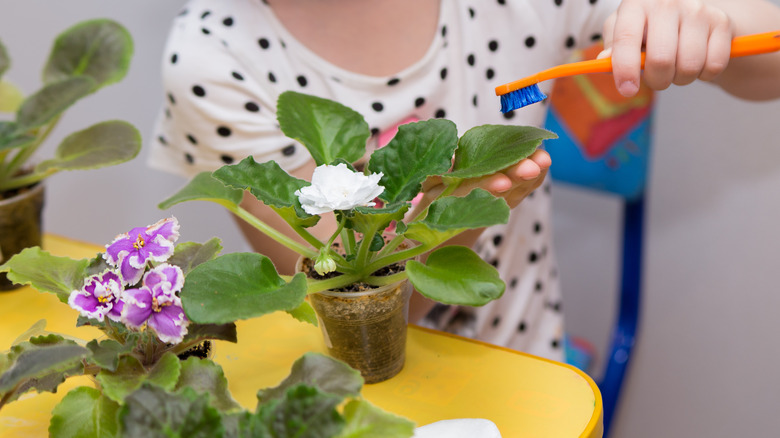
45, 272
82, 60
85, 412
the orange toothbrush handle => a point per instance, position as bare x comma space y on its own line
755, 44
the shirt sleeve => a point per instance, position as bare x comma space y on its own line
216, 110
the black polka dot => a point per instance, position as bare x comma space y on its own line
171, 99
595, 37
555, 343
205, 31
533, 257
471, 12
513, 283
547, 189
420, 101
264, 43
227, 159
374, 131
593, 2
189, 158
490, 73
393, 81
493, 45
377, 106
302, 81
228, 21
530, 42
205, 14
271, 77
502, 2
288, 150
444, 31
470, 59
162, 140
558, 2
237, 75
497, 239
281, 42
443, 73
521, 326
537, 227
496, 321
252, 107
335, 79
474, 100
494, 262
174, 58
570, 43
192, 139
198, 91
539, 287
440, 114
509, 115
224, 131
168, 113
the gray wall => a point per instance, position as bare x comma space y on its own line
706, 362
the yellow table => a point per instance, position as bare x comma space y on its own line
444, 377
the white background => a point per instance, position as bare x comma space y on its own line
706, 363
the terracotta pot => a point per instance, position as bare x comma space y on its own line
20, 225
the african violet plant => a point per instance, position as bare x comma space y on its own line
150, 379
336, 137
83, 59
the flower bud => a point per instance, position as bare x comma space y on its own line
324, 264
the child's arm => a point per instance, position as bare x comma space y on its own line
687, 40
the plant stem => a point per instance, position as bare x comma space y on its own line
314, 286
451, 186
275, 235
27, 180
26, 152
395, 258
383, 280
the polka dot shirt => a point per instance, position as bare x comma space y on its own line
225, 64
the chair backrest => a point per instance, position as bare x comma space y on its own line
604, 145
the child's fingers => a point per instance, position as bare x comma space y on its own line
627, 36
719, 46
661, 45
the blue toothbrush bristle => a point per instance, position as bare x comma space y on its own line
520, 98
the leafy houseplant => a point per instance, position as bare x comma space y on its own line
151, 379
83, 59
336, 137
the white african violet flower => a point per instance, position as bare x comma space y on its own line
339, 188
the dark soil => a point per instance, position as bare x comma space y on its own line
201, 351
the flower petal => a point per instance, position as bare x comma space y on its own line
170, 324
137, 307
87, 305
338, 188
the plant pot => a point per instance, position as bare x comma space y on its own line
20, 225
367, 330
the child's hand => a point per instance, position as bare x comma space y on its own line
684, 40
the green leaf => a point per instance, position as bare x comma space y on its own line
365, 420
451, 215
201, 332
5, 60
205, 376
41, 367
45, 272
487, 149
11, 97
85, 412
303, 412
328, 129
150, 412
100, 145
106, 353
304, 313
456, 275
50, 101
204, 187
370, 220
16, 142
131, 374
239, 286
99, 49
187, 255
417, 151
314, 369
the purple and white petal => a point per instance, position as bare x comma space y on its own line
137, 307
115, 314
170, 324
164, 279
122, 245
129, 273
87, 305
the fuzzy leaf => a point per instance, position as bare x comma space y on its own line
187, 255
106, 353
11, 97
487, 149
205, 376
204, 187
239, 286
456, 275
303, 412
42, 367
5, 60
304, 313
370, 220
201, 332
365, 420
99, 49
130, 375
50, 101
314, 369
100, 145
45, 272
452, 215
328, 129
85, 412
16, 142
151, 412
417, 151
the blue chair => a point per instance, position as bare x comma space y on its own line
604, 144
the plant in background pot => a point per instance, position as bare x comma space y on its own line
83, 59
359, 287
153, 376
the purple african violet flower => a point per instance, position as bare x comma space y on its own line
100, 297
156, 304
131, 251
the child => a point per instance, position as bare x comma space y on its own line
394, 61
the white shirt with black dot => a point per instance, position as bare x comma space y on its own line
225, 64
